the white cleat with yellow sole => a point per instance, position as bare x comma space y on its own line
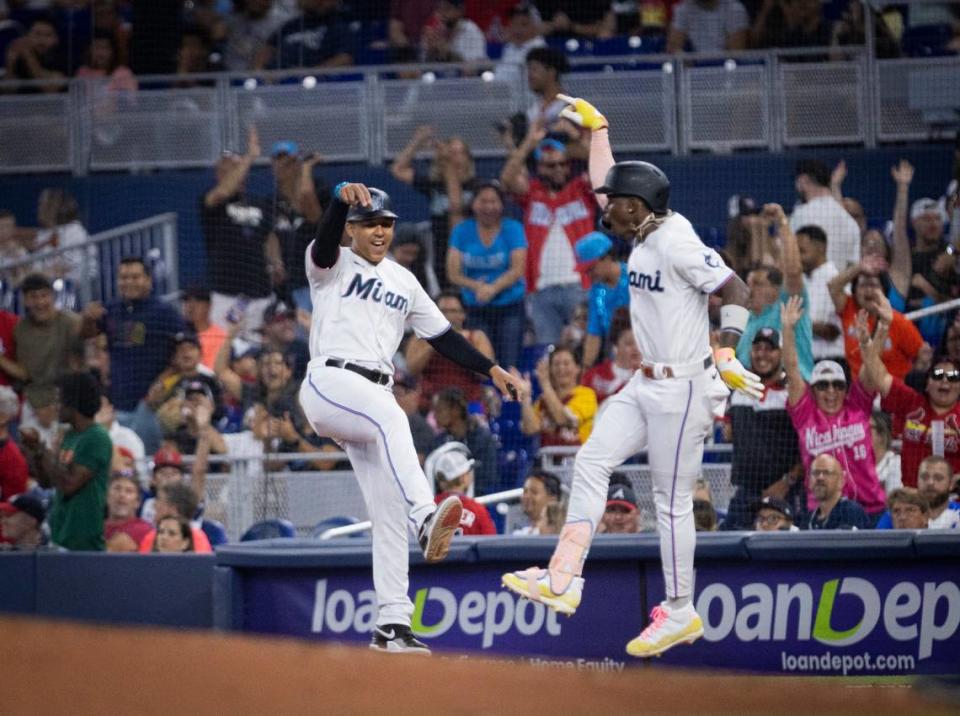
534, 584
668, 627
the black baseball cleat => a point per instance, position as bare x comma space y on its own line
438, 529
397, 639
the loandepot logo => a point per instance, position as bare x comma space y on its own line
435, 612
908, 612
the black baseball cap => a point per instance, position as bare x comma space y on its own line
769, 335
623, 495
197, 386
775, 503
278, 309
26, 503
186, 337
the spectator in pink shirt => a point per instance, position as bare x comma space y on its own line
833, 418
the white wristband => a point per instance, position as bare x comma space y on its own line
733, 318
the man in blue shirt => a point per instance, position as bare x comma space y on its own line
609, 290
140, 330
833, 511
771, 286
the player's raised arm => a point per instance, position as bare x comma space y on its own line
733, 321
453, 346
586, 115
326, 246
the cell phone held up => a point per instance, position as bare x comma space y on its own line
238, 310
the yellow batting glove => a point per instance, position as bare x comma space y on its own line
583, 113
735, 375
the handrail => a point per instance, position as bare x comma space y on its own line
92, 240
930, 310
495, 497
391, 68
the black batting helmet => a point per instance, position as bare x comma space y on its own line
380, 206
640, 179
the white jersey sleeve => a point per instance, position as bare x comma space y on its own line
698, 264
319, 275
424, 317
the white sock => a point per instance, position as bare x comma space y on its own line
678, 603
421, 513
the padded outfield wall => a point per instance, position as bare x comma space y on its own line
867, 603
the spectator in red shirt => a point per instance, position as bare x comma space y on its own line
931, 421
123, 531
8, 347
21, 521
612, 374
437, 372
177, 500
558, 210
904, 342
13, 466
451, 468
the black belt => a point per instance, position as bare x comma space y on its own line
374, 376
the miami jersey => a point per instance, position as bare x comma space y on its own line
671, 275
361, 310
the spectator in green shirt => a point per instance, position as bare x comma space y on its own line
79, 471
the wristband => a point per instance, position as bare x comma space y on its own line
733, 318
337, 188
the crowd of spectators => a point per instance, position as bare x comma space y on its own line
545, 293
90, 396
45, 41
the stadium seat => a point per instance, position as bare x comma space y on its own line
215, 532
926, 40
332, 522
269, 529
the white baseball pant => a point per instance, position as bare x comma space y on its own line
375, 433
671, 418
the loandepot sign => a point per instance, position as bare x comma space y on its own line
436, 611
906, 612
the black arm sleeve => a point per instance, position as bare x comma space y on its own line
455, 347
326, 245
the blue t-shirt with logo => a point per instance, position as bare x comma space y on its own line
140, 336
604, 300
770, 317
488, 263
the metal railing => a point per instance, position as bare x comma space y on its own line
92, 265
670, 103
247, 492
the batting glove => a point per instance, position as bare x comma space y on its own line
735, 375
583, 113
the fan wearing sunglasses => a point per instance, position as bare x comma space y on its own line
832, 416
931, 420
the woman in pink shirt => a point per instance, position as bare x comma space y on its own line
831, 417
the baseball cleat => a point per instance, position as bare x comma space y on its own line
668, 628
397, 639
534, 584
438, 529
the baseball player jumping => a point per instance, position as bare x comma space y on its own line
669, 402
362, 305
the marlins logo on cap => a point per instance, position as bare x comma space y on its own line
380, 207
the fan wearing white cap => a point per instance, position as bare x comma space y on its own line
833, 417
451, 468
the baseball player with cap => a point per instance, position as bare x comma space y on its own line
362, 306
668, 406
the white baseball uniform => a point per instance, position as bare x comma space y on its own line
671, 276
359, 316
